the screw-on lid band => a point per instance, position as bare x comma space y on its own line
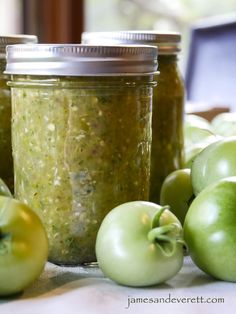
15, 39
81, 60
167, 43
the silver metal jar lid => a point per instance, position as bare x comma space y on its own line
81, 60
15, 39
167, 43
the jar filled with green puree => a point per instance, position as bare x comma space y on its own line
81, 134
6, 163
168, 100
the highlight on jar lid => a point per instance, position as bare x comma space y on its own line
81, 60
15, 39
167, 42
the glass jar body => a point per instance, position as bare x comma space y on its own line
6, 163
167, 124
81, 146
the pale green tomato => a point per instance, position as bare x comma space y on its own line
191, 152
140, 244
23, 246
193, 135
215, 162
192, 120
197, 130
225, 124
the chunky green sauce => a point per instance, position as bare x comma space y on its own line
80, 148
6, 163
167, 124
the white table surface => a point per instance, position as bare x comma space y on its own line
76, 290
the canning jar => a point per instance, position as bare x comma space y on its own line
81, 136
168, 100
6, 163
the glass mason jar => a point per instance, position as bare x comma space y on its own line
81, 137
6, 163
168, 100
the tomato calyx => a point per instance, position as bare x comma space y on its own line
165, 236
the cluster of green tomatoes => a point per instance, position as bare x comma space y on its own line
141, 243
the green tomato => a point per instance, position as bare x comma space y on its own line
225, 124
191, 152
210, 230
177, 192
193, 135
4, 190
215, 162
23, 246
197, 130
140, 244
192, 120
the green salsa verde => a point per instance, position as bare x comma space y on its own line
167, 124
168, 99
6, 161
81, 146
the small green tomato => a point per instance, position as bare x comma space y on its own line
23, 246
177, 192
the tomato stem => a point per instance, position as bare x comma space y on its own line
156, 218
166, 237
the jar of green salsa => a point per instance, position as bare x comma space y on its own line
81, 136
168, 113
168, 100
6, 163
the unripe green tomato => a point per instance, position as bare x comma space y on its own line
140, 244
193, 135
23, 246
215, 162
177, 192
193, 120
225, 124
191, 152
210, 229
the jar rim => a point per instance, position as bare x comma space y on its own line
81, 60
